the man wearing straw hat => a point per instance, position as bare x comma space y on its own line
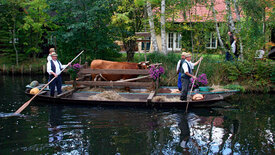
49, 58
179, 69
54, 68
187, 74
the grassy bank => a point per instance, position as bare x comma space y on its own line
248, 76
252, 76
31, 66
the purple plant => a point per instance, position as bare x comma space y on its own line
77, 66
156, 71
74, 69
201, 80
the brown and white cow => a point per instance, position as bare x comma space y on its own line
103, 64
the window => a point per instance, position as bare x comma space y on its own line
211, 41
147, 44
173, 41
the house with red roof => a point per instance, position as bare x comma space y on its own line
200, 14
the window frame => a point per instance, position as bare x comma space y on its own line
210, 41
176, 37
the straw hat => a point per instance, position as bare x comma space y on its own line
51, 50
54, 54
188, 55
183, 53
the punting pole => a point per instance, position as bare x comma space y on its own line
28, 102
192, 87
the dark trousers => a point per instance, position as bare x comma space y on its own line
185, 88
56, 82
228, 56
179, 82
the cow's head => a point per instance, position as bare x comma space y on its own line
143, 65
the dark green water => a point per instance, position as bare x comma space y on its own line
59, 129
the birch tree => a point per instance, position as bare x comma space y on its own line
229, 16
217, 27
239, 29
162, 23
152, 26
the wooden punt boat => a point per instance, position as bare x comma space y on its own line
153, 98
131, 99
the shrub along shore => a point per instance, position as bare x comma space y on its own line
248, 76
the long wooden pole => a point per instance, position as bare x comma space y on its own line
28, 102
192, 87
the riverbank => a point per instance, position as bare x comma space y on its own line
255, 76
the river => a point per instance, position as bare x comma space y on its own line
76, 129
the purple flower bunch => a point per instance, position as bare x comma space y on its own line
201, 80
74, 69
77, 66
156, 71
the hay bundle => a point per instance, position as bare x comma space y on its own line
218, 88
93, 89
165, 99
66, 88
107, 96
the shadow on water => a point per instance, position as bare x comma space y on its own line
60, 129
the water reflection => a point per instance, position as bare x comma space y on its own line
62, 129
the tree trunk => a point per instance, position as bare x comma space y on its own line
163, 33
217, 27
192, 40
152, 27
239, 29
13, 43
229, 14
130, 49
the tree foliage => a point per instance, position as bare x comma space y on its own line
84, 25
128, 19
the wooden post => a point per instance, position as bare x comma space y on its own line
30, 68
4, 67
12, 69
44, 69
22, 69
145, 56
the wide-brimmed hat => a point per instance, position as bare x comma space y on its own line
52, 50
184, 53
188, 55
54, 54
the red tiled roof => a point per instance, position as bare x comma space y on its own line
202, 13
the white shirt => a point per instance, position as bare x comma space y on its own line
49, 58
259, 54
57, 68
185, 67
233, 46
191, 65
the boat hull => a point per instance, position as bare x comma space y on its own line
133, 100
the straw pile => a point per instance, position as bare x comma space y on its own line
66, 88
107, 96
103, 89
93, 89
218, 88
165, 99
